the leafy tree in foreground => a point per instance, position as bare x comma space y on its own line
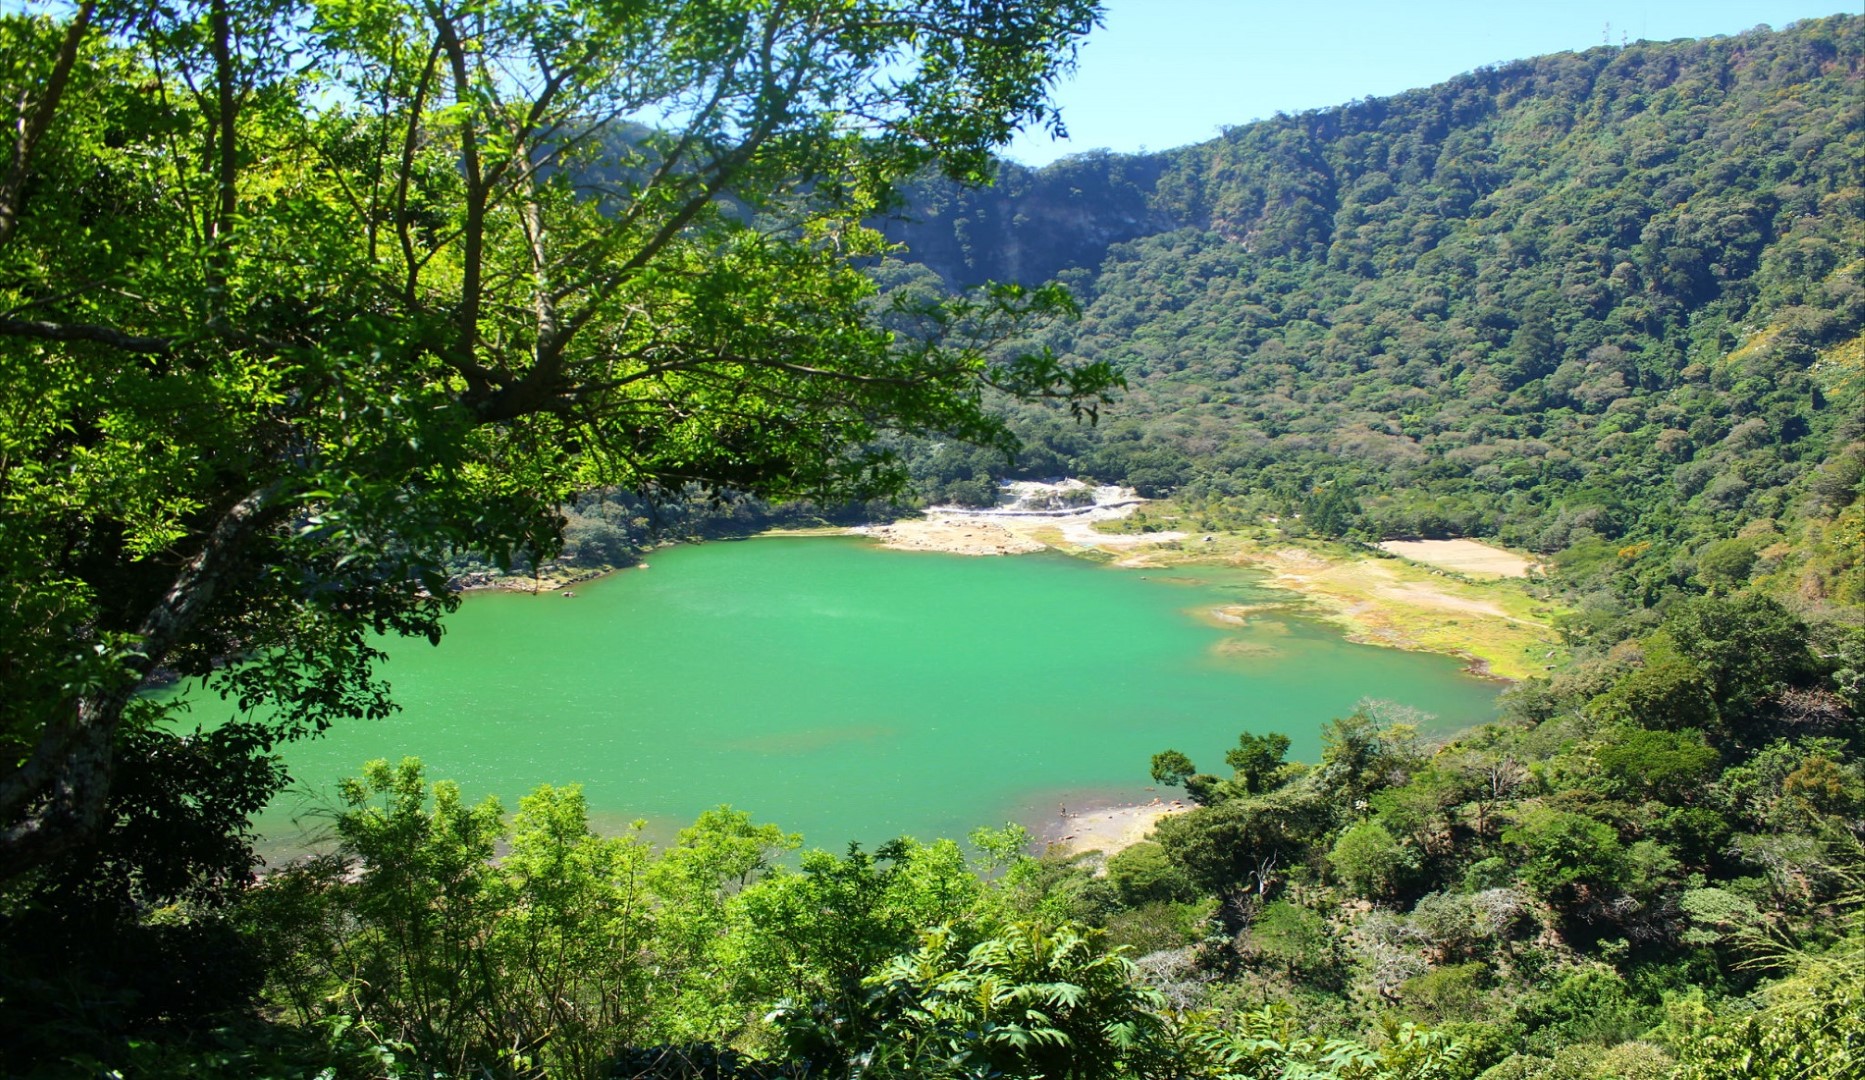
1028, 1002
295, 298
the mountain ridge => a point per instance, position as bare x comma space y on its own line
1569, 75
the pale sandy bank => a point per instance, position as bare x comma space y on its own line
953, 535
1110, 829
1463, 556
1030, 515
981, 534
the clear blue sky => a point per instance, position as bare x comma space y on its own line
1164, 73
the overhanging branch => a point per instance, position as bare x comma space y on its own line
100, 335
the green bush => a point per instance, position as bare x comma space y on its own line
1592, 1005
1294, 938
1158, 925
1144, 874
1563, 852
1370, 861
1444, 994
1491, 873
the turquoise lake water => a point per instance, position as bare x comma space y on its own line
854, 693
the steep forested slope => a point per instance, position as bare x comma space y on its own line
1578, 302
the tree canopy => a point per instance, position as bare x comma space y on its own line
295, 299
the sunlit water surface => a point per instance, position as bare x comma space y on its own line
854, 693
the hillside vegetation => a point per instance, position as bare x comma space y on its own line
1607, 304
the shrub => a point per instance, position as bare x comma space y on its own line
1370, 860
1447, 993
1293, 937
1563, 851
1144, 874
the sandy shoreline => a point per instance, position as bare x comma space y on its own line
1106, 829
1482, 617
952, 536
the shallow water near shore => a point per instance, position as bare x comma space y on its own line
852, 693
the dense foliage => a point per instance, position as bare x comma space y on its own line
302, 300
413, 951
1589, 887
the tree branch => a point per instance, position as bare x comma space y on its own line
101, 335
472, 258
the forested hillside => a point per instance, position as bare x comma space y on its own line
1607, 303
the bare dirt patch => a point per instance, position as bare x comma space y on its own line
1423, 595
1462, 556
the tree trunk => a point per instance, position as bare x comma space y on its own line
55, 801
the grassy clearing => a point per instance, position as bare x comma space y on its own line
1503, 626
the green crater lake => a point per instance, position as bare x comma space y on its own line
854, 693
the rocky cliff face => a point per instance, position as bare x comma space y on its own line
1033, 225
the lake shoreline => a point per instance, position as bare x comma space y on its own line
1106, 830
1489, 621
547, 582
